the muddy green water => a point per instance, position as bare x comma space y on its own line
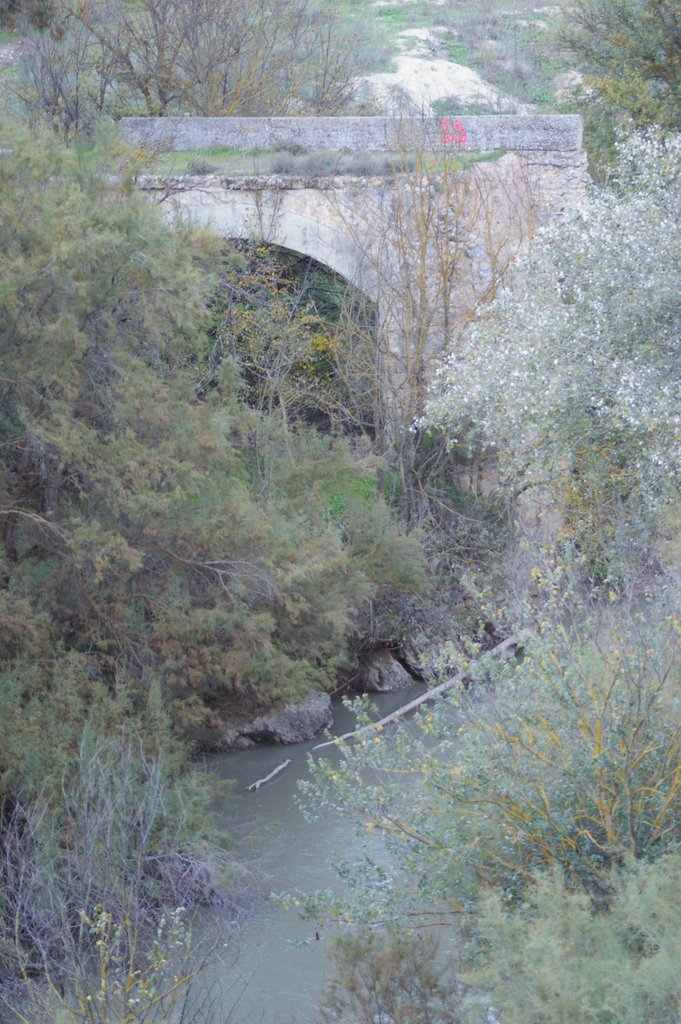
278, 969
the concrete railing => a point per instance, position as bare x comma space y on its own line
483, 133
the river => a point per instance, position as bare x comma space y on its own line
280, 963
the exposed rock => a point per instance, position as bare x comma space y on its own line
381, 672
565, 83
294, 724
414, 657
422, 42
232, 739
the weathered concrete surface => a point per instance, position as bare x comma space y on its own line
558, 181
398, 240
315, 218
518, 133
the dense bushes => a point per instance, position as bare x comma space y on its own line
574, 761
122, 835
630, 56
206, 57
538, 813
150, 536
172, 557
395, 977
572, 374
99, 885
555, 960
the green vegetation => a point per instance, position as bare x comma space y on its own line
630, 52
573, 763
174, 557
302, 339
396, 978
209, 57
207, 461
87, 879
512, 49
114, 986
575, 380
291, 160
536, 813
393, 19
135, 516
104, 153
38, 13
558, 961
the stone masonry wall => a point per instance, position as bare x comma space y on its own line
516, 133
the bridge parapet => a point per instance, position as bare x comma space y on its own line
484, 133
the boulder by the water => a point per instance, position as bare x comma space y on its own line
293, 724
381, 672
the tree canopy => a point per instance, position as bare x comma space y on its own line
85, 58
572, 375
630, 53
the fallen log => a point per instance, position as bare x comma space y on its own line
412, 705
255, 786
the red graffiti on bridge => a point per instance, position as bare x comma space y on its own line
453, 132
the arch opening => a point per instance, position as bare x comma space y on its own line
304, 337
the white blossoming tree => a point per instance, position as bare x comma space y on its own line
573, 376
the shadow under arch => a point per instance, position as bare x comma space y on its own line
301, 333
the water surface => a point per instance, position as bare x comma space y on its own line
280, 962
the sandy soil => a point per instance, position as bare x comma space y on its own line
419, 81
422, 75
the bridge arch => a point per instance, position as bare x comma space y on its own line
425, 250
320, 223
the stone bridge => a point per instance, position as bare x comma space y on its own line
426, 242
